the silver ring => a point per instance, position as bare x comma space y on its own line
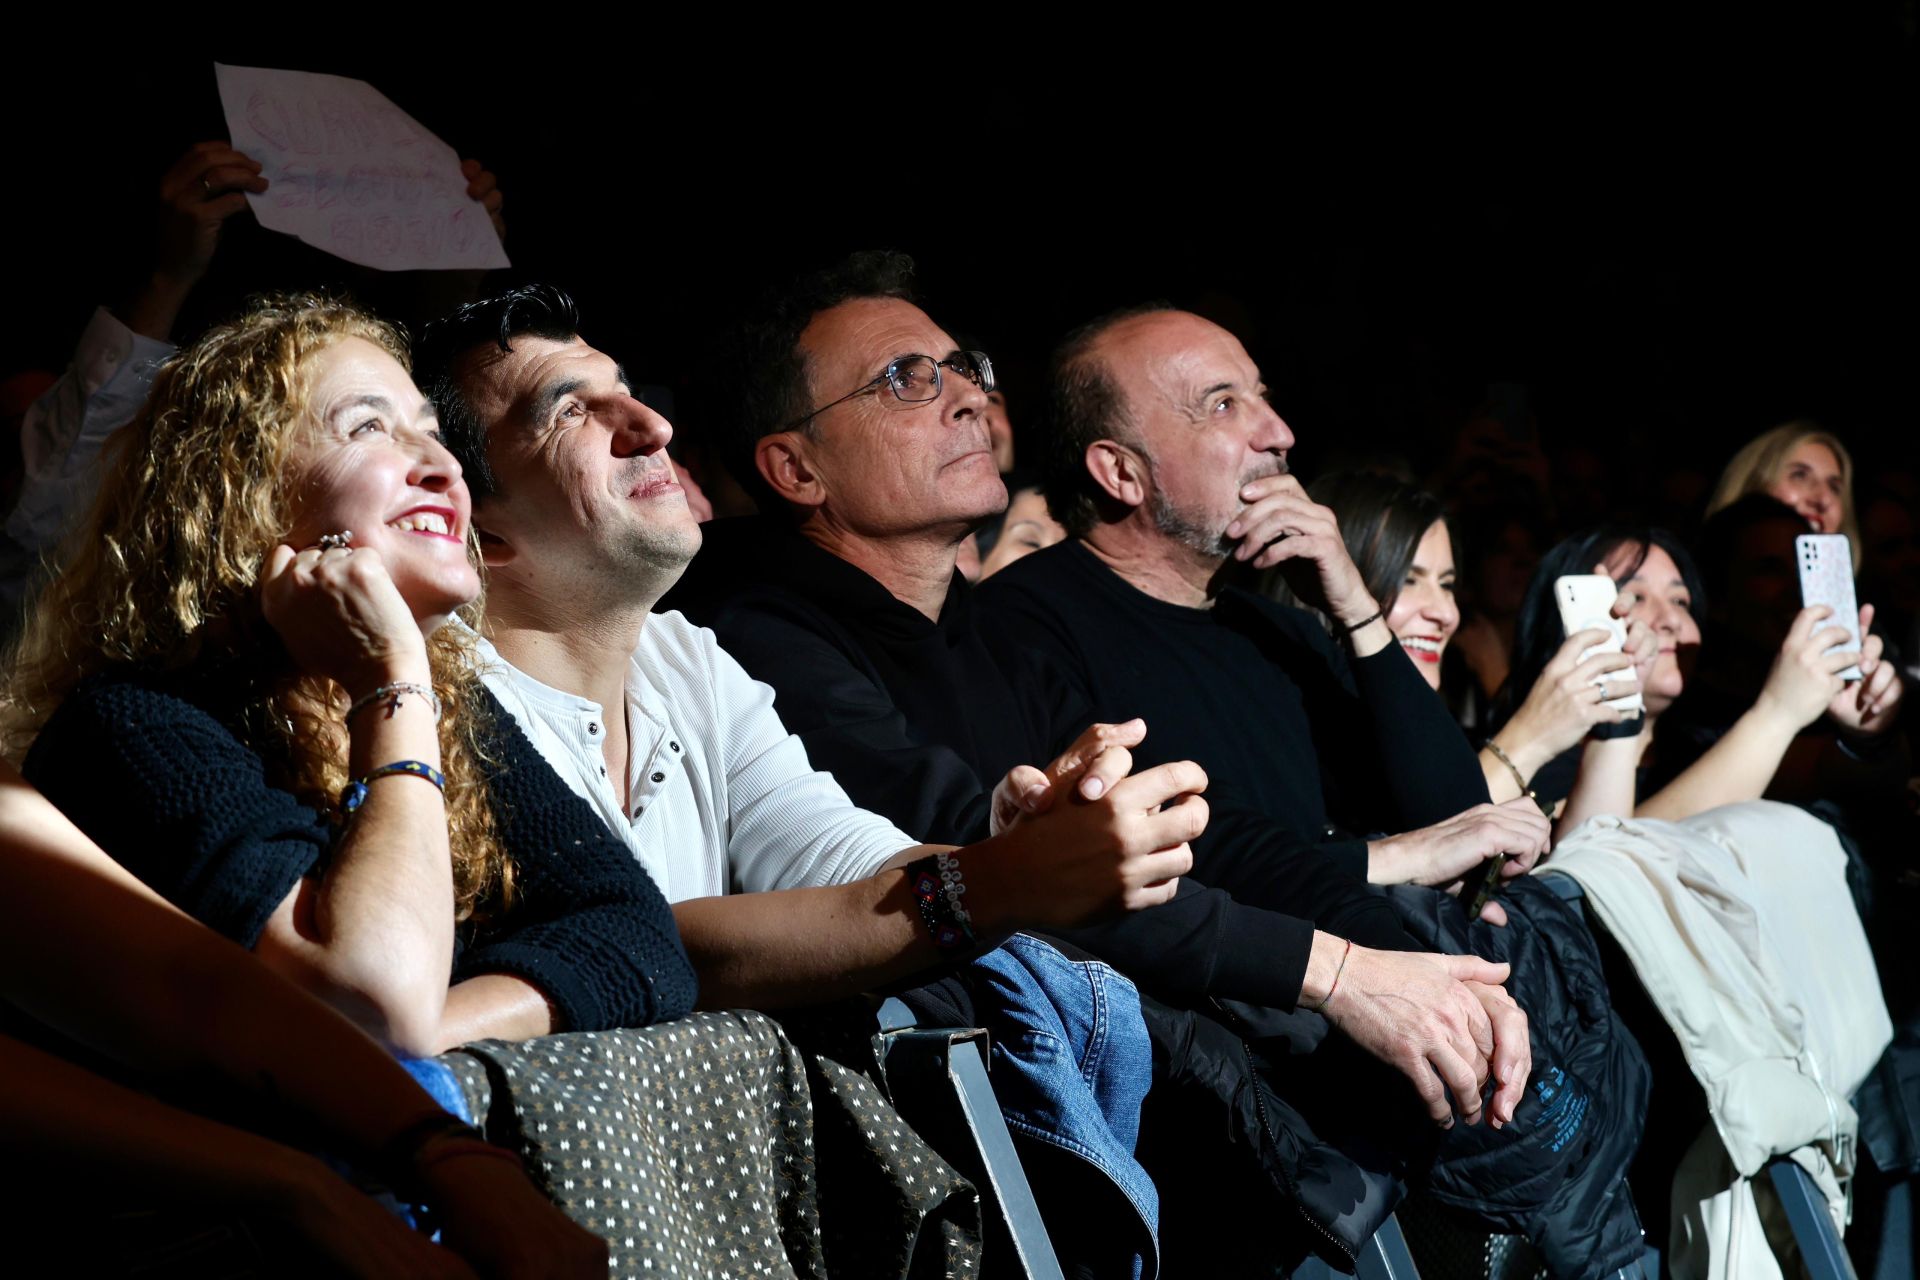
335, 541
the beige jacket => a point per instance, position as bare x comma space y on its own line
1740, 925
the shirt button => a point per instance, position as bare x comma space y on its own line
674, 745
592, 729
659, 777
603, 771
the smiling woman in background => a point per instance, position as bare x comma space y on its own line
1803, 466
1398, 536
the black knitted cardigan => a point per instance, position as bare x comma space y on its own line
149, 769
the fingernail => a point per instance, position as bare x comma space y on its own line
1233, 530
1031, 796
1092, 788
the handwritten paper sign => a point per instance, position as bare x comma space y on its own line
349, 172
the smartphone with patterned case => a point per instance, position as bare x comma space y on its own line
1586, 603
1826, 577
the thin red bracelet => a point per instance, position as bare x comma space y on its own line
1335, 984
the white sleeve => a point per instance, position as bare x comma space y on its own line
790, 826
63, 431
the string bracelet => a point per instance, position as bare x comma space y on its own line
354, 794
1367, 621
393, 696
1335, 984
949, 925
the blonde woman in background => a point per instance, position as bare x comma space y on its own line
1803, 466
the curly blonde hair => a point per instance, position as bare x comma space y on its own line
163, 572
1760, 461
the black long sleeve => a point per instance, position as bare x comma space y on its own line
1393, 757
1428, 761
829, 694
169, 791
173, 796
918, 719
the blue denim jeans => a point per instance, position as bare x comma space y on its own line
1072, 1063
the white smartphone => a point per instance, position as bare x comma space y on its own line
1586, 603
1826, 577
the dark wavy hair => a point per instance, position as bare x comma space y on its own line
535, 311
1538, 632
1382, 520
164, 574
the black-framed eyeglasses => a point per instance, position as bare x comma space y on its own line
916, 380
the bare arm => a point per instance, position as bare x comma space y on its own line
1078, 860
1737, 767
54, 1113
494, 1006
1568, 699
373, 934
1606, 781
1804, 681
91, 952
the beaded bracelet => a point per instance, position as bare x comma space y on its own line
354, 794
949, 924
392, 694
953, 888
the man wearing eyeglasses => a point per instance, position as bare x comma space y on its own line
858, 427
785, 892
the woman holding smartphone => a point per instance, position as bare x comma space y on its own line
1398, 535
1554, 698
1662, 772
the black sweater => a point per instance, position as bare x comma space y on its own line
918, 720
151, 769
1255, 691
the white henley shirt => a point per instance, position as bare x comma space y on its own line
719, 797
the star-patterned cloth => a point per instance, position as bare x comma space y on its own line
713, 1147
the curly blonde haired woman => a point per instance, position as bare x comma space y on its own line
242, 686
1803, 466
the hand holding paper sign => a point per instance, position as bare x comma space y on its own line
205, 187
351, 173
483, 186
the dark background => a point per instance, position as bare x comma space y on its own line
1646, 244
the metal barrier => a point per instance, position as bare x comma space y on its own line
938, 1079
